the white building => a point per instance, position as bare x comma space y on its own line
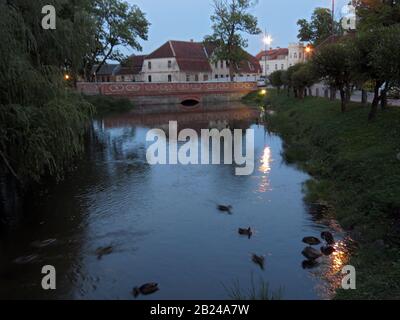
188, 61
281, 58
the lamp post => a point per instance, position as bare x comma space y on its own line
267, 42
333, 17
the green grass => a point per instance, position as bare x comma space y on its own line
107, 105
355, 169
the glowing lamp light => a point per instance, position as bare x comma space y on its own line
308, 49
263, 92
66, 77
268, 40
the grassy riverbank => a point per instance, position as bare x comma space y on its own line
107, 105
355, 165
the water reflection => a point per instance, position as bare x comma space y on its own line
265, 168
161, 221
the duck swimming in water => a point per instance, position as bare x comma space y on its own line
311, 240
311, 254
328, 237
224, 208
246, 232
145, 289
327, 250
103, 251
259, 260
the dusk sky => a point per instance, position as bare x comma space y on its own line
190, 19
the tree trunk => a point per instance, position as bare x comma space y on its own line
333, 94
384, 100
343, 99
375, 102
348, 93
364, 97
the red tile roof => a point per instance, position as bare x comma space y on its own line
273, 54
133, 65
195, 57
190, 56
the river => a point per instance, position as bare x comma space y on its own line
162, 222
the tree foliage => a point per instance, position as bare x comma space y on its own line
118, 24
41, 121
319, 28
231, 19
333, 64
275, 78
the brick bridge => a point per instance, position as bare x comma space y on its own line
171, 93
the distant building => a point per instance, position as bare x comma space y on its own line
105, 74
188, 61
130, 70
281, 58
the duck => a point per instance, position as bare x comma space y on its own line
327, 250
311, 240
103, 251
259, 260
224, 208
328, 237
311, 254
246, 232
146, 289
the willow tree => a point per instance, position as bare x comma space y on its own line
230, 22
41, 121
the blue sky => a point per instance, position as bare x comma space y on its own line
190, 19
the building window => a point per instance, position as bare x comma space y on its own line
216, 64
123, 78
221, 76
196, 77
188, 78
108, 79
227, 76
216, 76
227, 64
295, 55
222, 64
169, 64
300, 55
205, 77
149, 78
149, 65
276, 67
282, 67
169, 78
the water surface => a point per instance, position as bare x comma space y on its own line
162, 220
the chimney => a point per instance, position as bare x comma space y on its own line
191, 40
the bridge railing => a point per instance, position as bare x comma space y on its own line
132, 89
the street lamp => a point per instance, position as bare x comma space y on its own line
267, 43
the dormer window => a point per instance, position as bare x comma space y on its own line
149, 65
169, 64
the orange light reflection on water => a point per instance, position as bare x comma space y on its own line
265, 168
